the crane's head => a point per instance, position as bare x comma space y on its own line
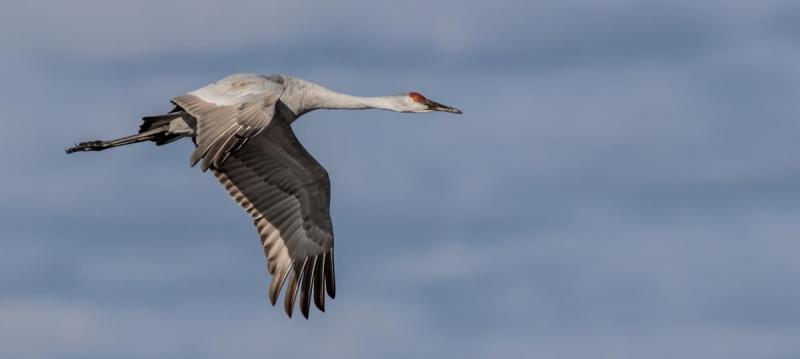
415, 102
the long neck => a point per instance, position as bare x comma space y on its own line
305, 96
335, 100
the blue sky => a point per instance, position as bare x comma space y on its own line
623, 184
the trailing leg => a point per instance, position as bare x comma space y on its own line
102, 145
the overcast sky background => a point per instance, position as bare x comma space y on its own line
624, 182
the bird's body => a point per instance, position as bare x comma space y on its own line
242, 128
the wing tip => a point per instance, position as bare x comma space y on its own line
319, 282
330, 275
305, 289
306, 281
288, 299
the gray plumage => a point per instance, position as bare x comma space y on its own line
241, 126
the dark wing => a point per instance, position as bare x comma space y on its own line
288, 194
228, 113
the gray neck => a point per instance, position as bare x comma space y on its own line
302, 96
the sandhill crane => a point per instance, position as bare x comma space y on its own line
241, 126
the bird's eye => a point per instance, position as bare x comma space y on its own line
417, 97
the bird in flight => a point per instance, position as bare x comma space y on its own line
241, 127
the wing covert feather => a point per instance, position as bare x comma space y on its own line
229, 112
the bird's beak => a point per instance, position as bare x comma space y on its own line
435, 106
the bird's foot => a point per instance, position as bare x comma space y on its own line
88, 146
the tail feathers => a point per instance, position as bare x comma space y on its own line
152, 122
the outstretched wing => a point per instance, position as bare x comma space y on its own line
288, 194
229, 112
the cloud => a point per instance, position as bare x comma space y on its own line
504, 33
